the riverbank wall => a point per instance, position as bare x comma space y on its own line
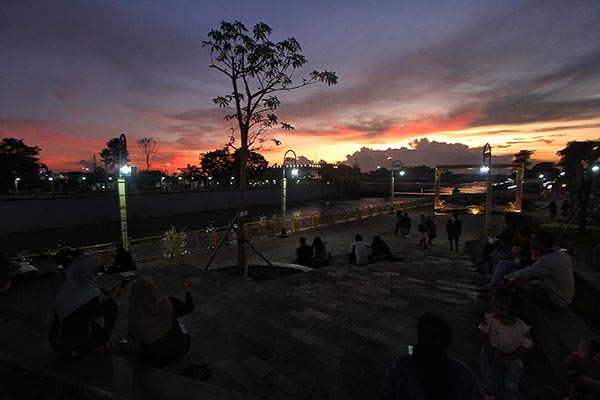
25, 215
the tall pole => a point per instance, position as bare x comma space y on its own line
396, 165
284, 193
487, 161
122, 190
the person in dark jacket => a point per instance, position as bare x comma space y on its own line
381, 251
454, 230
154, 330
304, 253
123, 262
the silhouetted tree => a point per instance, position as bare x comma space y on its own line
17, 160
217, 164
523, 157
256, 165
149, 148
257, 69
577, 159
110, 154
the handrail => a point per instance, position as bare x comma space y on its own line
203, 240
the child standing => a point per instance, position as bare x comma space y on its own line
505, 339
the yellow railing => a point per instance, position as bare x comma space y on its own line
179, 243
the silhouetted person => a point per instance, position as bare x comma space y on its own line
123, 262
154, 330
304, 253
428, 373
359, 251
454, 230
381, 251
321, 255
85, 314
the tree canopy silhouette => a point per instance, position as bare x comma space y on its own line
18, 160
257, 69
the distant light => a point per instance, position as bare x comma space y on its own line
595, 168
563, 185
17, 179
50, 178
402, 173
484, 169
562, 173
83, 178
180, 178
125, 170
541, 176
295, 172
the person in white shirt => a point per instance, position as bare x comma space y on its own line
553, 273
359, 251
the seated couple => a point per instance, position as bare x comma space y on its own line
359, 251
313, 256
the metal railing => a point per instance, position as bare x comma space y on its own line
177, 243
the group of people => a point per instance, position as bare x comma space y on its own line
427, 229
85, 315
531, 266
315, 255
361, 253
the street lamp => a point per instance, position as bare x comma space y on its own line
124, 171
17, 179
284, 192
487, 169
396, 165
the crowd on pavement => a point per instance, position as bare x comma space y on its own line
522, 263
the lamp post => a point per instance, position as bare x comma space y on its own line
17, 179
396, 165
124, 170
487, 168
284, 193
51, 179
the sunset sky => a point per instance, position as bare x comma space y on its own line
425, 82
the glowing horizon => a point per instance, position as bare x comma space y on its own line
426, 81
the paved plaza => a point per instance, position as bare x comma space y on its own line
330, 333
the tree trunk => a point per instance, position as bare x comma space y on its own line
242, 262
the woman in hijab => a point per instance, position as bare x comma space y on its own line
85, 314
153, 327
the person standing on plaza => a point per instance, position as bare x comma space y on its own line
399, 223
406, 225
454, 230
505, 339
431, 228
422, 228
359, 251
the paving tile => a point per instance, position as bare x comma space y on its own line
256, 365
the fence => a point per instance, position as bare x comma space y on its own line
177, 243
